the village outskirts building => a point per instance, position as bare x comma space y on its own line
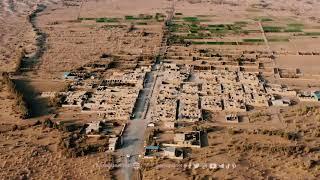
173, 153
309, 96
232, 118
316, 95
190, 139
113, 142
281, 102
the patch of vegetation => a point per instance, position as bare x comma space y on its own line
175, 39
212, 28
86, 19
253, 31
250, 43
218, 31
130, 18
141, 23
272, 28
202, 15
294, 28
140, 17
224, 28
159, 17
296, 25
191, 19
312, 33
176, 27
245, 32
217, 25
263, 19
278, 39
253, 9
193, 31
253, 40
195, 36
221, 43
199, 42
241, 23
289, 28
101, 20
213, 43
110, 26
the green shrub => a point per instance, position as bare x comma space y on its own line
191, 19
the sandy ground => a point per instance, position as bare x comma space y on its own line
16, 32
71, 44
33, 153
307, 64
225, 146
8, 115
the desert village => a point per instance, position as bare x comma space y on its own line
212, 82
189, 83
179, 86
183, 94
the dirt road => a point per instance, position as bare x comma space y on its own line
133, 138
